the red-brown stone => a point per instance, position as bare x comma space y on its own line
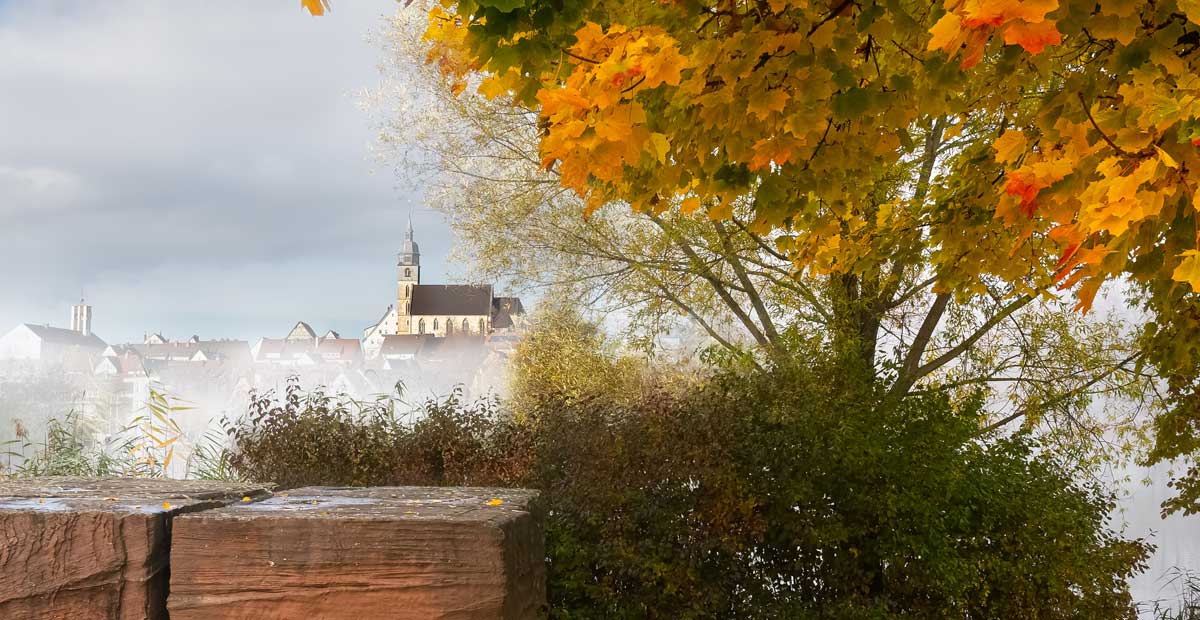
94, 549
390, 552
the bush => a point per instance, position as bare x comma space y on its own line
775, 495
322, 439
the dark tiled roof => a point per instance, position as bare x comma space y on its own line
404, 344
503, 311
511, 305
451, 299
66, 337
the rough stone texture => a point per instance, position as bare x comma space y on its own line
95, 549
385, 552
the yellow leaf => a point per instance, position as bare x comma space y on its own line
947, 34
1189, 270
245, 498
659, 146
1009, 146
771, 101
167, 505
315, 7
1191, 8
665, 67
1119, 8
689, 205
1166, 159
495, 502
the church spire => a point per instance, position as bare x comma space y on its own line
410, 254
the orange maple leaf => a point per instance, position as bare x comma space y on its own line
315, 7
1067, 254
1026, 187
1033, 37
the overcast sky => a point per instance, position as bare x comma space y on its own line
197, 168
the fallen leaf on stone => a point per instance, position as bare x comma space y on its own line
167, 505
495, 502
245, 498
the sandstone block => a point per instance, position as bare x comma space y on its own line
385, 552
95, 549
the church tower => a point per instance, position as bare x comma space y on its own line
409, 276
81, 318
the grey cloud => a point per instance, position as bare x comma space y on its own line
195, 167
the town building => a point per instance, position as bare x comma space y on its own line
55, 345
440, 310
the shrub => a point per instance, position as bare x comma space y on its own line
776, 495
322, 439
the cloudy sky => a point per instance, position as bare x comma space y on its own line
197, 167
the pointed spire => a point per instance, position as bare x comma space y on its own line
408, 233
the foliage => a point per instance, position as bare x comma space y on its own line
211, 459
773, 496
568, 358
145, 447
68, 450
1033, 143
785, 492
727, 282
322, 439
1187, 603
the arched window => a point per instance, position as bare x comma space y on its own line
421, 326
407, 307
482, 326
408, 290
466, 327
449, 327
407, 272
435, 326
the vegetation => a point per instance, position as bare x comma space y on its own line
785, 492
920, 185
73, 446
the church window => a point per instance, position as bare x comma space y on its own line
421, 326
466, 327
435, 325
449, 327
407, 272
482, 326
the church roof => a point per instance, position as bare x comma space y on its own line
66, 337
451, 299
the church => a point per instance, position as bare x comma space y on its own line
440, 310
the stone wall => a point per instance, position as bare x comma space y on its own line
133, 549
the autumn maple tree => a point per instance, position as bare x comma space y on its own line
884, 146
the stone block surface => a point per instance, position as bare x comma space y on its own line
384, 552
95, 549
